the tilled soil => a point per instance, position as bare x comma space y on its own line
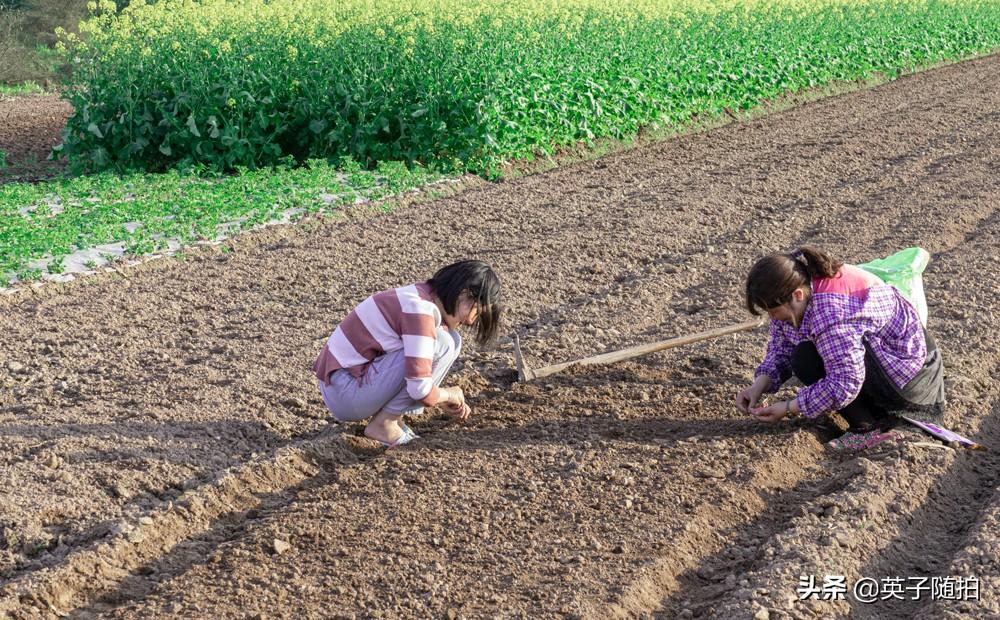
30, 126
166, 454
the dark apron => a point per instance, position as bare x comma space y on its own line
922, 398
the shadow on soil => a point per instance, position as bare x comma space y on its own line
193, 552
701, 587
931, 535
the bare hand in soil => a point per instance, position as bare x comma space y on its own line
750, 396
772, 413
454, 404
459, 413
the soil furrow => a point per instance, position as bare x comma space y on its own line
135, 542
723, 574
979, 559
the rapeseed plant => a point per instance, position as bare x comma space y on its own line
471, 81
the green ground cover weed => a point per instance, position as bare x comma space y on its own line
42, 224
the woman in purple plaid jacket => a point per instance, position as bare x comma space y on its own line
855, 343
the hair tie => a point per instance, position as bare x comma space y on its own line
797, 255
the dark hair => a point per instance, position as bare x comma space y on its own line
774, 278
484, 286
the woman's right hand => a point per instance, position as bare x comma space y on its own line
750, 396
454, 397
454, 403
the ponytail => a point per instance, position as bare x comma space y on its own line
774, 278
818, 264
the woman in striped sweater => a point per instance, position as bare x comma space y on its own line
855, 342
389, 356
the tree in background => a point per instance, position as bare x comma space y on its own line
11, 49
42, 17
27, 34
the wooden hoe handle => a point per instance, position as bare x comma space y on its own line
645, 349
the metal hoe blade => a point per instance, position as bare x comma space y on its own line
524, 372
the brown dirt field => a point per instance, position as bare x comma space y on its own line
160, 429
30, 125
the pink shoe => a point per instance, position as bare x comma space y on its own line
853, 442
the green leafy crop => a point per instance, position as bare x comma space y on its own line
464, 84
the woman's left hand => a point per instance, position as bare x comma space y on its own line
771, 413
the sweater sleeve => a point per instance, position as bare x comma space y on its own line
419, 335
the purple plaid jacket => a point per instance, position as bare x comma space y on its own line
846, 311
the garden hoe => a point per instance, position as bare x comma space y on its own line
526, 373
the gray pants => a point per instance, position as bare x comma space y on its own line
383, 386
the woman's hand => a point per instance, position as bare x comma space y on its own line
775, 412
462, 414
750, 396
454, 404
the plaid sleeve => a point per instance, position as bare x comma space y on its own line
843, 352
777, 362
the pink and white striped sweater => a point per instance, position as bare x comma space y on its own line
401, 318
